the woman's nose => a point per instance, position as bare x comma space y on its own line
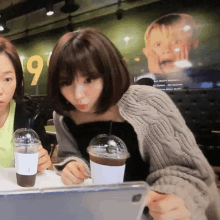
1, 88
79, 91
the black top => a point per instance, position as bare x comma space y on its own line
27, 115
136, 169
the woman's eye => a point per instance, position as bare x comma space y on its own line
8, 79
89, 80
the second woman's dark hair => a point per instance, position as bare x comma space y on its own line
91, 54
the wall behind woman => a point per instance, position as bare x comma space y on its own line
128, 35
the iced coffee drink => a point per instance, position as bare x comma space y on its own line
108, 155
26, 143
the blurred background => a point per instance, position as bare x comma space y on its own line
35, 26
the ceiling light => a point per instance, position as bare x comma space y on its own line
49, 9
49, 13
3, 28
1, 24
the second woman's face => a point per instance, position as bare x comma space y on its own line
7, 81
83, 93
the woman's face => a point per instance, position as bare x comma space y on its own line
83, 93
7, 81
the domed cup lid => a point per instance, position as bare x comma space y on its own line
25, 136
108, 146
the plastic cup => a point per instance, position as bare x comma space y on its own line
26, 143
108, 155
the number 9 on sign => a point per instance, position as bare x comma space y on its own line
37, 71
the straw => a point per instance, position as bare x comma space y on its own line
110, 131
29, 126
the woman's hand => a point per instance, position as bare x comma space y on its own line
167, 207
43, 159
74, 173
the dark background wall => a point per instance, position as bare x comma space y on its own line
133, 25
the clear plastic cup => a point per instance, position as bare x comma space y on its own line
108, 155
26, 143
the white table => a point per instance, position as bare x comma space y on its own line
48, 178
41, 201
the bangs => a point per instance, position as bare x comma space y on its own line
79, 60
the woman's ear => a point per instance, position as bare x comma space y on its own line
195, 43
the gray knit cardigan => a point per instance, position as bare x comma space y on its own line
177, 165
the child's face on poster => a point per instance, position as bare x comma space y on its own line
167, 47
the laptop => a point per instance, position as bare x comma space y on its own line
124, 201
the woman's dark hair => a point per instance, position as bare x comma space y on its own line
90, 53
145, 81
8, 48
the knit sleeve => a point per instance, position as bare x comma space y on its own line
177, 165
67, 146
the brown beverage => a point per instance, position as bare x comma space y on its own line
26, 181
107, 161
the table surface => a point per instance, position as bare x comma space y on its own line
48, 178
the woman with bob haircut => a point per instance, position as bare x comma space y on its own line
16, 111
88, 84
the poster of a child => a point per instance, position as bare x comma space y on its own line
169, 41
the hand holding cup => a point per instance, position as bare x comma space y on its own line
44, 161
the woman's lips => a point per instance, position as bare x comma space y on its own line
81, 107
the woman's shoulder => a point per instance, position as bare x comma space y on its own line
57, 117
142, 93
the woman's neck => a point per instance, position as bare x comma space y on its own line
4, 115
111, 115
